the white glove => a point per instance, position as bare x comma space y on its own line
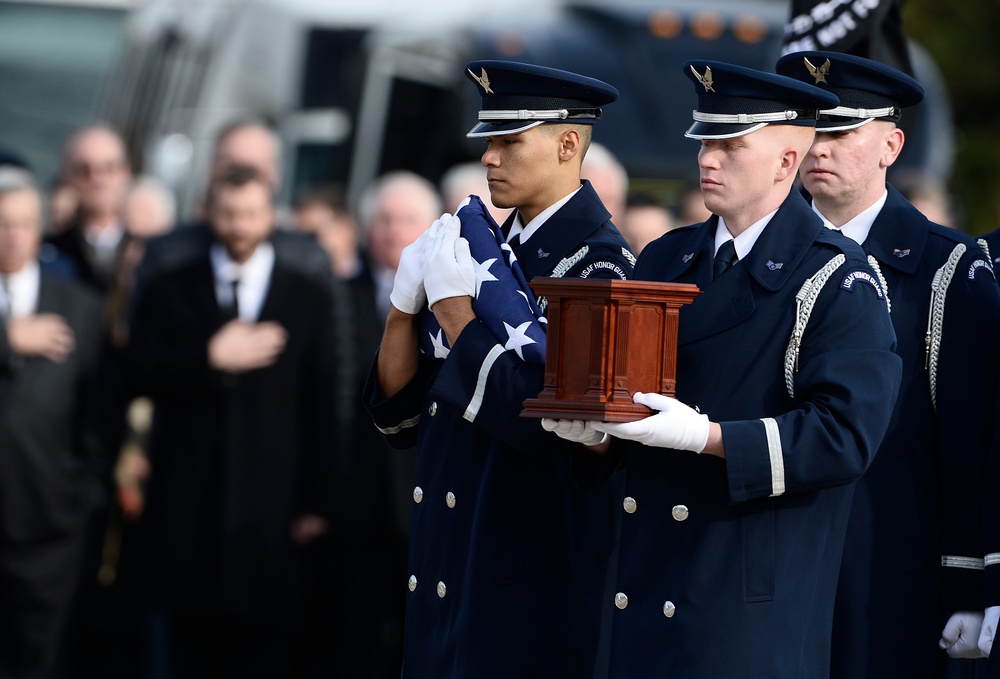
675, 426
408, 293
960, 635
989, 631
577, 431
449, 270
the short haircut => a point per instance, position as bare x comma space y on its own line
249, 123
332, 196
238, 176
586, 133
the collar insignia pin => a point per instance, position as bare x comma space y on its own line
818, 73
900, 253
483, 80
688, 257
774, 266
542, 254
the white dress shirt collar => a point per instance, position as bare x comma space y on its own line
857, 228
22, 291
254, 278
745, 241
526, 230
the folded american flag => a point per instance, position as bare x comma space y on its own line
503, 301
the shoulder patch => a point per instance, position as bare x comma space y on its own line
859, 275
978, 264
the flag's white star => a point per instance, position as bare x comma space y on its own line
440, 350
483, 274
516, 337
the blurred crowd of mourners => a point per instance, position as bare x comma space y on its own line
189, 484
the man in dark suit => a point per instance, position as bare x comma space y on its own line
95, 166
248, 143
51, 457
236, 350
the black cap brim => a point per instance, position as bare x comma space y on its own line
500, 129
700, 130
842, 124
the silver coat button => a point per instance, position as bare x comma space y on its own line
449, 500
432, 408
418, 494
412, 584
442, 590
621, 601
679, 512
669, 609
630, 505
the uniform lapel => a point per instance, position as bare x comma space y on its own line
893, 240
730, 300
562, 234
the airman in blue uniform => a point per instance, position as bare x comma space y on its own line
991, 519
727, 560
505, 572
911, 582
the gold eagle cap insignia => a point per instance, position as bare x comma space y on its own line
483, 80
705, 80
818, 73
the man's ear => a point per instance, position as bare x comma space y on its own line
569, 144
892, 146
788, 165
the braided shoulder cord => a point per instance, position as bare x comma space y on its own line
568, 263
881, 280
985, 247
560, 271
935, 317
805, 300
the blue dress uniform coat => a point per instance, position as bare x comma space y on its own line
913, 553
991, 494
727, 568
504, 576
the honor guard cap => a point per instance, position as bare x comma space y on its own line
867, 89
517, 97
734, 100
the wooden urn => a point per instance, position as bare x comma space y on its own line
607, 339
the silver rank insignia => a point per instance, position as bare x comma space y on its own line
896, 252
688, 257
774, 266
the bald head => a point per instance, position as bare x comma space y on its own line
95, 165
251, 144
396, 209
609, 179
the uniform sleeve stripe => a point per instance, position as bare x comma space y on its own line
968, 562
992, 559
405, 424
774, 452
484, 372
